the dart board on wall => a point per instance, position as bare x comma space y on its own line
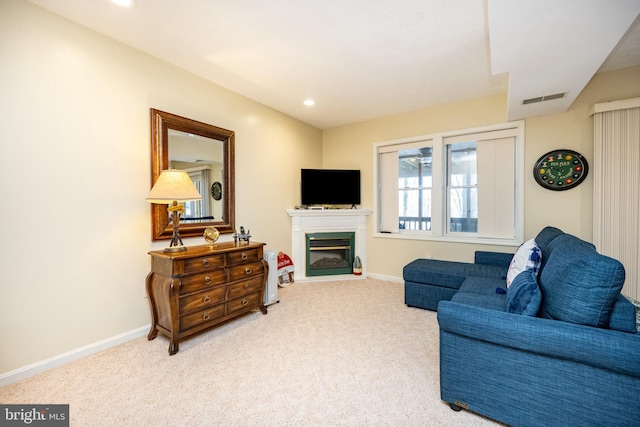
560, 170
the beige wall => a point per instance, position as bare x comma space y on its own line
351, 146
75, 231
74, 120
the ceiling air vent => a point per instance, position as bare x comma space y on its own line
544, 98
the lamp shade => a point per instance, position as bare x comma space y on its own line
173, 185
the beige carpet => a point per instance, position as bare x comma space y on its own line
344, 353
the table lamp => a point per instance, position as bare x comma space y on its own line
172, 188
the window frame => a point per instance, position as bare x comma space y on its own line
438, 142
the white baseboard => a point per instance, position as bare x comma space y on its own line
385, 277
63, 359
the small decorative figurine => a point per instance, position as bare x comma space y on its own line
243, 236
285, 270
357, 266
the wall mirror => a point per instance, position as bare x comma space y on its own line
207, 153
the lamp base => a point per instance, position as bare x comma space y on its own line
176, 242
175, 249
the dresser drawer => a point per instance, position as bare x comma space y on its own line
249, 300
203, 299
205, 263
247, 255
202, 281
198, 318
245, 287
246, 270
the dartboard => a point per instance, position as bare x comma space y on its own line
560, 170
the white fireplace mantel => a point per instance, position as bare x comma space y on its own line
305, 221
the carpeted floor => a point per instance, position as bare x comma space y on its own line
344, 353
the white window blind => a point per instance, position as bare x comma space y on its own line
496, 188
616, 186
388, 172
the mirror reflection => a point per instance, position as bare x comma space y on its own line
202, 158
206, 153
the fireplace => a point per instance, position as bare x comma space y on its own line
329, 253
310, 221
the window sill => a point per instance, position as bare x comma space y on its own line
449, 239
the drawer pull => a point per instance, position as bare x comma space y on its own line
207, 280
206, 316
206, 299
205, 262
247, 271
246, 286
244, 256
245, 302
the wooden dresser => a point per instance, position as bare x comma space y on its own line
194, 290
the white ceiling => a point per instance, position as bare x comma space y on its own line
363, 59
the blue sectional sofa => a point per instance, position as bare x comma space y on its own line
558, 347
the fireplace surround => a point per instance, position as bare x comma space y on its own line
311, 221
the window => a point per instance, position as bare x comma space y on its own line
459, 186
195, 210
415, 188
462, 187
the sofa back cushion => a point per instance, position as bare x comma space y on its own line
544, 238
623, 315
578, 284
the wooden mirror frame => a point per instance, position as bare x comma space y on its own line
161, 122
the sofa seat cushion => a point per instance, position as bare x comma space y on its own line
449, 274
426, 296
578, 284
481, 292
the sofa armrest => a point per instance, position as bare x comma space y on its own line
606, 349
498, 259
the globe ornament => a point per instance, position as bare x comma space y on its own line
211, 234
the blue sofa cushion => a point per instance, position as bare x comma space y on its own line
523, 296
623, 315
543, 239
546, 235
481, 292
498, 259
578, 284
449, 274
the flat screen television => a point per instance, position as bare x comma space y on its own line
330, 187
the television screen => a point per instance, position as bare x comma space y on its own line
330, 187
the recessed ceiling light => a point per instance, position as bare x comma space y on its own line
123, 3
309, 102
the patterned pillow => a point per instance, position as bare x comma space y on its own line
527, 257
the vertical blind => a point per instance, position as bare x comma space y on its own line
616, 175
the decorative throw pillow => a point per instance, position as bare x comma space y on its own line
527, 257
523, 296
